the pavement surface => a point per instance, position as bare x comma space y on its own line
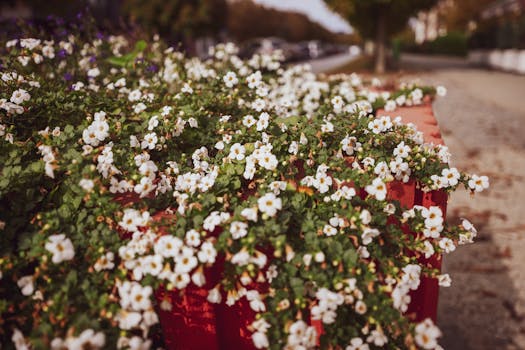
329, 63
482, 121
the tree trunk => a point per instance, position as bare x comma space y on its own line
380, 54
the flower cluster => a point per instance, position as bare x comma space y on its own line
128, 172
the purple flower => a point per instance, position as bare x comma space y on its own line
68, 77
152, 68
92, 59
62, 53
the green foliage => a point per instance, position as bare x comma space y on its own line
365, 14
453, 43
178, 17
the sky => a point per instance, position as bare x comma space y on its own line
316, 10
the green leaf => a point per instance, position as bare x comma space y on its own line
350, 257
140, 46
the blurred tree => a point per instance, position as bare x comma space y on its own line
43, 8
460, 14
178, 19
247, 20
379, 19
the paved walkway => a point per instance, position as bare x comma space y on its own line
329, 63
483, 122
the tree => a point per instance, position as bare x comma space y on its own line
459, 14
379, 20
248, 20
178, 19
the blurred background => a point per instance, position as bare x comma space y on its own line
475, 48
374, 32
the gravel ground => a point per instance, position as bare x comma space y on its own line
482, 120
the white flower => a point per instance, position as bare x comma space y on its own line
368, 234
193, 238
319, 257
19, 341
260, 340
149, 142
427, 334
181, 280
241, 258
48, 51
447, 245
132, 219
401, 297
263, 121
168, 246
29, 43
93, 72
249, 214
230, 79
238, 229
412, 276
377, 337
381, 170
329, 230
20, 96
144, 187
140, 297
248, 121
237, 151
322, 182
428, 249
451, 175
467, 225
86, 184
258, 104
297, 332
139, 108
441, 91
152, 264
198, 278
61, 248
254, 80
193, 122
128, 319
337, 103
214, 296
186, 261
269, 204
360, 307
365, 216
478, 183
26, 285
256, 303
134, 95
207, 254
390, 106
377, 189
445, 280
401, 150
357, 344
105, 262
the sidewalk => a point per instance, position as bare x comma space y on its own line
482, 121
329, 63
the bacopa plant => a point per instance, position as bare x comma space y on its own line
128, 167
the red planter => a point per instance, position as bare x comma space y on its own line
195, 323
